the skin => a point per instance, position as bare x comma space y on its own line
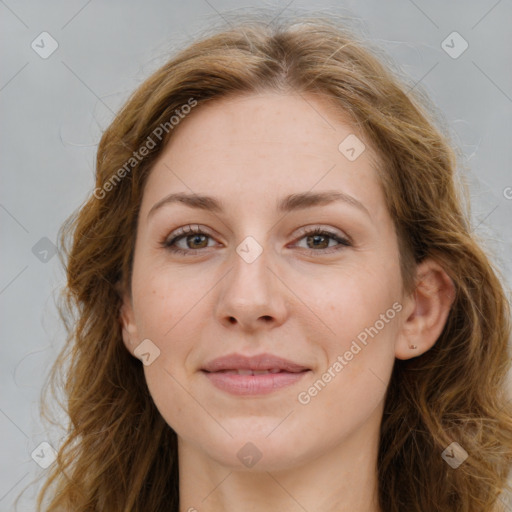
250, 151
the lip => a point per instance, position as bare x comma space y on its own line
220, 373
257, 362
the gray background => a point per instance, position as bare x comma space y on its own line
54, 109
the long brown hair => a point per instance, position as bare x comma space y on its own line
119, 454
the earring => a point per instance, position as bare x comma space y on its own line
413, 347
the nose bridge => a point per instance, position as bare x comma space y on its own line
250, 280
250, 290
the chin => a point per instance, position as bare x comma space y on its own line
255, 456
250, 450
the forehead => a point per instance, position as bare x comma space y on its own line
262, 146
269, 119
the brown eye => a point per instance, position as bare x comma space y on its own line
192, 237
318, 240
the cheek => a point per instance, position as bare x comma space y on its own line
340, 402
166, 318
359, 313
164, 299
359, 355
172, 320
350, 299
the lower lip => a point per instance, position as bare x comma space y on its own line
253, 384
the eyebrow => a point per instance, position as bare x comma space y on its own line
290, 203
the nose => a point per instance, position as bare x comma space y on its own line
252, 295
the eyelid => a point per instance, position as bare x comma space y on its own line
189, 229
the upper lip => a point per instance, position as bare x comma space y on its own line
257, 362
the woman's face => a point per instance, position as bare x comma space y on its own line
257, 280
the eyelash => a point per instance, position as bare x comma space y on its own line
168, 242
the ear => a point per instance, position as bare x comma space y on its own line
425, 310
127, 320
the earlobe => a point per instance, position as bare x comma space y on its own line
426, 311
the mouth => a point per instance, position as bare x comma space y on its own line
256, 375
258, 363
252, 372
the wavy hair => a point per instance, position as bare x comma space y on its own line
118, 453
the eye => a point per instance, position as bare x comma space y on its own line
193, 234
317, 240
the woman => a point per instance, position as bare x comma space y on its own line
279, 303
